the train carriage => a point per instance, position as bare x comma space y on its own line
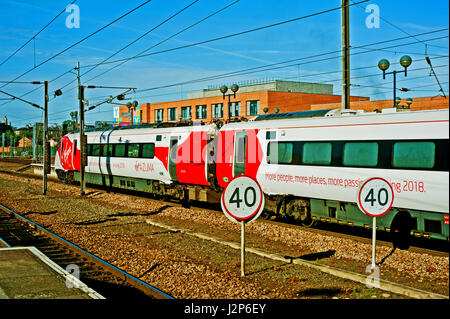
155, 159
311, 168
309, 164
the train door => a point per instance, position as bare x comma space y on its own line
74, 153
173, 158
240, 153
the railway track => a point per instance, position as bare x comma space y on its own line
106, 279
423, 246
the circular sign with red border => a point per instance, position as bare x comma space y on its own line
242, 199
375, 196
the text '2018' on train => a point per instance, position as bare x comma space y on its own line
309, 164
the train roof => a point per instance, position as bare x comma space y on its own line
165, 125
326, 117
292, 115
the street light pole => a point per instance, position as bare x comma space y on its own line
383, 65
394, 74
224, 89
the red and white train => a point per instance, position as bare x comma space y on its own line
309, 164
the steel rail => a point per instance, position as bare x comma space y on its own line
143, 285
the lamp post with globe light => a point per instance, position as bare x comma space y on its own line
383, 65
234, 88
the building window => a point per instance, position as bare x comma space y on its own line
217, 110
186, 113
235, 109
253, 107
159, 115
201, 111
172, 114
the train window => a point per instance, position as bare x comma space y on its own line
270, 135
280, 152
158, 138
106, 150
103, 149
317, 153
74, 147
413, 155
148, 150
89, 149
133, 150
364, 154
110, 150
240, 153
95, 149
119, 150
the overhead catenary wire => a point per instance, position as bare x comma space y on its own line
34, 36
269, 68
140, 55
339, 51
127, 59
415, 88
400, 29
92, 67
79, 41
231, 35
338, 79
165, 40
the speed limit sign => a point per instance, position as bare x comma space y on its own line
242, 199
375, 197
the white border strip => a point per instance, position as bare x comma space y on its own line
68, 277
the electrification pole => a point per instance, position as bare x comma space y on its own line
46, 155
345, 44
82, 137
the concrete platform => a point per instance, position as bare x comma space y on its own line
26, 273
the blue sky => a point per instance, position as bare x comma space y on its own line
21, 19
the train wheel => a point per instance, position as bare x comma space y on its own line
68, 178
309, 222
401, 230
300, 210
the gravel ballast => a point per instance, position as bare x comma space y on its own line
113, 226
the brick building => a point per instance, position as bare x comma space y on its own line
250, 100
256, 99
421, 103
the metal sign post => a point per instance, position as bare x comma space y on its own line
242, 202
374, 240
242, 248
375, 198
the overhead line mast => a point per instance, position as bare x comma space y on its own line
345, 43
